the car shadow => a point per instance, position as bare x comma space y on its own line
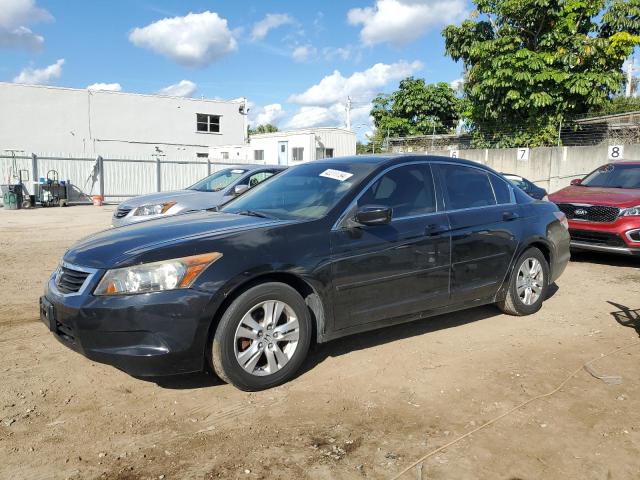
626, 316
602, 258
351, 343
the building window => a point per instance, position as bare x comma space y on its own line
208, 123
202, 155
324, 153
298, 154
258, 155
224, 155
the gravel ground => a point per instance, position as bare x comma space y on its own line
363, 407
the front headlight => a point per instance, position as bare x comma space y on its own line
155, 277
155, 209
630, 212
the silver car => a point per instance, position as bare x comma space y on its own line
210, 192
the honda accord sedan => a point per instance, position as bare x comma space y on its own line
323, 250
211, 191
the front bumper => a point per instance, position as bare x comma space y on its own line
619, 237
154, 334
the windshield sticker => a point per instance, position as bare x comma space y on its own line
238, 171
336, 174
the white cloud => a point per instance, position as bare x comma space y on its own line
343, 53
302, 53
40, 76
402, 21
457, 84
330, 116
184, 88
195, 40
362, 85
14, 16
269, 22
272, 114
109, 87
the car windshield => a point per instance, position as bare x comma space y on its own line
218, 180
304, 192
614, 176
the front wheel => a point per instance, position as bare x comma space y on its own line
262, 338
528, 284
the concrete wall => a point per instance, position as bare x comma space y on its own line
82, 123
552, 168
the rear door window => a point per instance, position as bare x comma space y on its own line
501, 189
467, 187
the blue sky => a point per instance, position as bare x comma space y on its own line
296, 61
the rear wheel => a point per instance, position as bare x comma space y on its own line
262, 338
528, 284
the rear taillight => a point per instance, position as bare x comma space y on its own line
562, 218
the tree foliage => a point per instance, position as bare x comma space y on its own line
529, 63
266, 128
416, 108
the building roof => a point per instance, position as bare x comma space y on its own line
300, 131
111, 92
614, 118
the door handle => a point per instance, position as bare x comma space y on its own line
510, 216
435, 229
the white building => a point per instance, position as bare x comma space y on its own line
87, 123
289, 147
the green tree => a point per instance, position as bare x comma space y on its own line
416, 108
266, 128
530, 63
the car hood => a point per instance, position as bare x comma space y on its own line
617, 197
160, 239
184, 198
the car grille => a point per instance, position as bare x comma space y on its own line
70, 281
590, 213
596, 238
121, 212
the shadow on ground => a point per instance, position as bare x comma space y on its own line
341, 346
601, 258
626, 316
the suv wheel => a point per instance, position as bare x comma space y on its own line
262, 338
528, 284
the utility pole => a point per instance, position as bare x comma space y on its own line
349, 113
629, 77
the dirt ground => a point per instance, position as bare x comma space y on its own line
364, 407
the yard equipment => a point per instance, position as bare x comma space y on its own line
53, 192
15, 196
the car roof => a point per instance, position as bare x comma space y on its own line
627, 162
251, 166
394, 159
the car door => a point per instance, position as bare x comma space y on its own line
485, 227
386, 271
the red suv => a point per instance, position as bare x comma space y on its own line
603, 209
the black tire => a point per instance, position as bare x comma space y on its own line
512, 304
223, 345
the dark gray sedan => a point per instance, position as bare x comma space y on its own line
212, 191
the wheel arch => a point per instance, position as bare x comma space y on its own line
538, 242
312, 299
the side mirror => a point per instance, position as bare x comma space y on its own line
373, 215
240, 189
576, 181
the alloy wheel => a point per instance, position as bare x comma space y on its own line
266, 338
530, 281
